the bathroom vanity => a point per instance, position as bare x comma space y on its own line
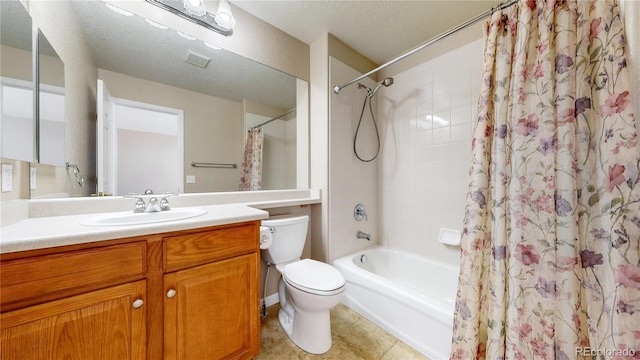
187, 294
181, 288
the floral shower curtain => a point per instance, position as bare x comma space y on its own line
550, 259
251, 177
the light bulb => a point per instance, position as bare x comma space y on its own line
194, 7
224, 18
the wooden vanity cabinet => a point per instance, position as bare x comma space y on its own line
182, 295
76, 304
101, 324
211, 303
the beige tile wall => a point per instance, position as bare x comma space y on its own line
427, 125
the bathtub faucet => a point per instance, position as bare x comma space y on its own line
363, 235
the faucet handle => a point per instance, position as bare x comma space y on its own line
140, 205
148, 192
164, 203
360, 213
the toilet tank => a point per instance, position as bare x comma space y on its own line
289, 236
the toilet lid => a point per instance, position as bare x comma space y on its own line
315, 275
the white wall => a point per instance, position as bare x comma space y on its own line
427, 119
351, 181
143, 168
319, 145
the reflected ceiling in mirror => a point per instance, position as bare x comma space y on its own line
15, 27
144, 49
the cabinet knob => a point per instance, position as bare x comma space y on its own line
137, 304
171, 293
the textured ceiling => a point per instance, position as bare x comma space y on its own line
380, 30
129, 45
15, 26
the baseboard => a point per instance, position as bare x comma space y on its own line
271, 300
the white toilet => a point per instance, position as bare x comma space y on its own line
308, 288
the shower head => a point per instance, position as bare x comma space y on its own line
386, 82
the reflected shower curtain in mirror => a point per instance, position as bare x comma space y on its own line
550, 250
251, 177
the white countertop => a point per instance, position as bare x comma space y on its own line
44, 232
58, 223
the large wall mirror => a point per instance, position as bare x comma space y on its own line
173, 111
50, 104
32, 122
17, 82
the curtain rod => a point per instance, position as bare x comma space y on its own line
273, 119
336, 89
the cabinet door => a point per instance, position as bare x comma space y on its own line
104, 324
211, 311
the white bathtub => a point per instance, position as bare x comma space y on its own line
408, 295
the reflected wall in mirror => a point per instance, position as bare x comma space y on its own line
149, 64
51, 108
278, 148
16, 96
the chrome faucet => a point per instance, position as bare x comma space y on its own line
364, 235
153, 204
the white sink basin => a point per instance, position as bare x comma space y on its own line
131, 218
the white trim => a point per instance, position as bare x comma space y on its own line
272, 300
28, 85
23, 84
52, 89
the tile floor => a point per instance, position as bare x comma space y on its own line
354, 338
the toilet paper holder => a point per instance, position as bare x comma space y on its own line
266, 236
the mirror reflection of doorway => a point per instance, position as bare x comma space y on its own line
147, 147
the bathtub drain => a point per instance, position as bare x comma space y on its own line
363, 258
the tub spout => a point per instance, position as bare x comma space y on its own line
363, 235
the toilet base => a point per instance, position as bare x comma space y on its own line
312, 332
309, 330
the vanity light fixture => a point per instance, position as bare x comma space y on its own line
224, 18
194, 10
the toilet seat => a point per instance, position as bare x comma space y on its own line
314, 277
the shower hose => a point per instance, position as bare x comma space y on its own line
367, 98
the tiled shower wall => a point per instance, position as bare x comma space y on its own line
350, 181
427, 118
